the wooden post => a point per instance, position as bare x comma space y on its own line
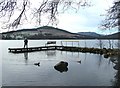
85, 44
72, 43
61, 43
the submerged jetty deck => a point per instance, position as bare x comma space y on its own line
32, 49
46, 47
107, 52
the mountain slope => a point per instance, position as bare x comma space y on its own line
113, 36
90, 34
44, 32
48, 32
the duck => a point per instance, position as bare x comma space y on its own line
37, 64
79, 61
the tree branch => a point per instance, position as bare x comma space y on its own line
51, 8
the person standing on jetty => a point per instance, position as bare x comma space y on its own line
26, 43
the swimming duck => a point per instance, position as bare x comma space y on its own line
79, 61
37, 64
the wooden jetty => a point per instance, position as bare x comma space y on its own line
32, 49
44, 48
106, 52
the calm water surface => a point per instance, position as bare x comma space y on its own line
0, 64
19, 69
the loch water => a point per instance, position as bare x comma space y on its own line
84, 69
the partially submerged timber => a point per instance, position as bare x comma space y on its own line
106, 52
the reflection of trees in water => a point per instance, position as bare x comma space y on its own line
85, 55
116, 82
26, 57
100, 44
117, 44
85, 44
75, 55
110, 44
118, 71
100, 60
51, 53
117, 67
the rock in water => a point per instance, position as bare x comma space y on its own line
61, 66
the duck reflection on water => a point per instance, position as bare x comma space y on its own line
61, 66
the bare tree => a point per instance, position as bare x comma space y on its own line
51, 8
113, 21
112, 17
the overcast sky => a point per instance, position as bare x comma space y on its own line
86, 20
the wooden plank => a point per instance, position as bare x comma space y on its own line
42, 48
32, 49
51, 42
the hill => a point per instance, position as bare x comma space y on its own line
48, 32
91, 34
113, 36
44, 32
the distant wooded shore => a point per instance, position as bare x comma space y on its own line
48, 32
